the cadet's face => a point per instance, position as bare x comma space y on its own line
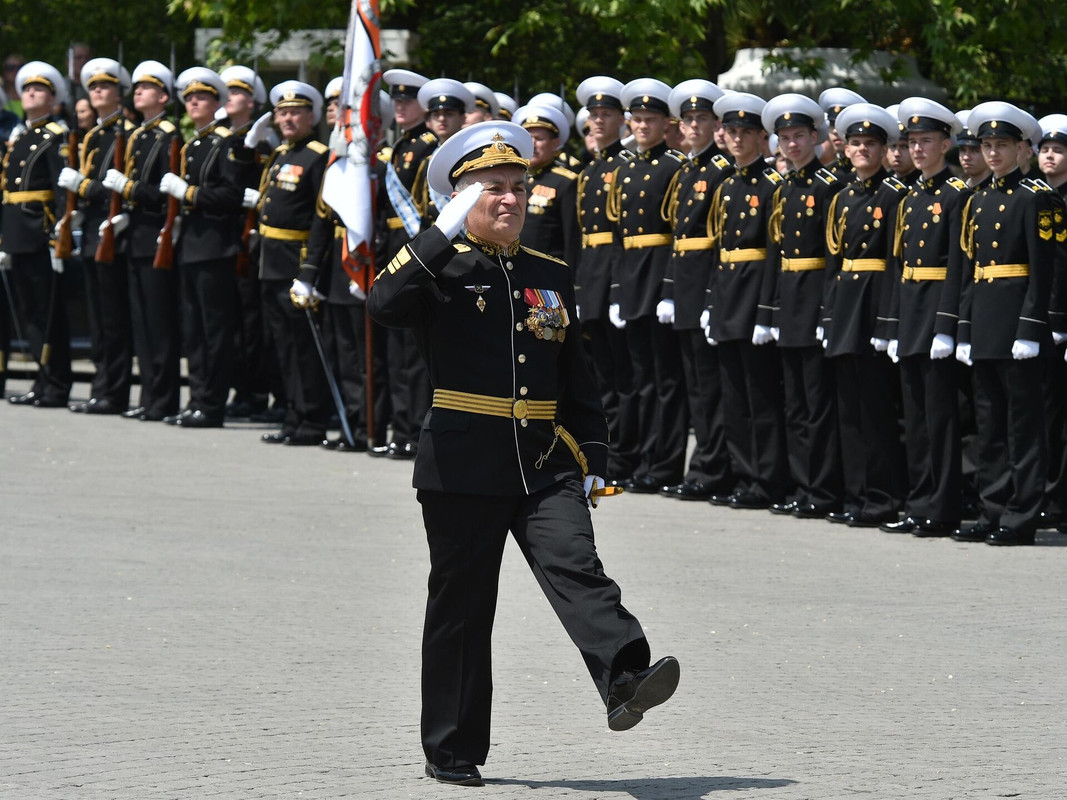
797, 144
201, 107
698, 128
331, 113
104, 97
478, 115
1002, 154
294, 123
239, 105
899, 158
445, 122
837, 141
971, 161
36, 100
407, 111
1052, 159
648, 128
866, 154
604, 124
500, 212
148, 98
928, 149
545, 147
745, 144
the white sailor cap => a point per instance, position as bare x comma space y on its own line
38, 72
481, 146
999, 119
446, 93
483, 97
239, 77
600, 91
506, 105
692, 95
333, 89
893, 113
836, 99
867, 119
581, 121
201, 79
154, 73
790, 111
105, 70
740, 110
966, 136
404, 83
547, 117
554, 101
1053, 128
920, 114
297, 94
646, 94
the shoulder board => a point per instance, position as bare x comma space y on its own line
826, 176
56, 127
566, 173
957, 184
1035, 185
626, 155
318, 147
677, 155
721, 161
545, 256
462, 248
428, 138
895, 183
772, 175
128, 126
167, 126
223, 131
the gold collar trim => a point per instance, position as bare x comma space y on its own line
492, 248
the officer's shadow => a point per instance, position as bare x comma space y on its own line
687, 788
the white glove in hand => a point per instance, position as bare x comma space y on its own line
57, 263
120, 222
820, 333
776, 333
942, 346
175, 232
5, 261
1058, 338
259, 131
880, 345
891, 351
304, 295
115, 181
761, 334
455, 213
1024, 348
705, 318
173, 185
963, 354
69, 179
615, 316
356, 291
665, 312
590, 480
250, 199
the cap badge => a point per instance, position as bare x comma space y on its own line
644, 98
915, 119
289, 96
498, 143
787, 115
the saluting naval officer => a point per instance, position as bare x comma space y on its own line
685, 286
798, 249
926, 270
515, 442
1009, 240
833, 101
31, 208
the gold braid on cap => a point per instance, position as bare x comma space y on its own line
199, 86
39, 79
234, 83
495, 155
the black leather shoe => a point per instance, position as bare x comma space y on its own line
151, 416
693, 490
1047, 520
645, 484
906, 525
175, 419
840, 517
342, 446
198, 419
103, 407
1007, 537
133, 413
973, 533
79, 408
811, 511
671, 491
378, 452
632, 694
931, 528
462, 775
721, 499
401, 452
783, 508
863, 520
748, 500
303, 440
28, 399
278, 437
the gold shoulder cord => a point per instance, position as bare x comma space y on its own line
835, 228
716, 216
774, 221
419, 189
967, 230
612, 206
668, 209
580, 191
898, 234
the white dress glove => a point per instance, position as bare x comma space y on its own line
1024, 348
70, 179
588, 487
761, 334
879, 345
963, 354
820, 333
5, 261
891, 351
304, 295
665, 312
175, 232
1058, 338
57, 263
173, 185
115, 181
942, 346
356, 291
455, 213
705, 325
259, 131
250, 199
615, 315
776, 333
119, 222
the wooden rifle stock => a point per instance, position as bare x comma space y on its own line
105, 250
244, 257
65, 243
165, 251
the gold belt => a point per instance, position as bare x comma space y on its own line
923, 274
394, 223
597, 239
1001, 271
694, 243
863, 265
494, 406
283, 234
646, 240
39, 196
802, 264
742, 254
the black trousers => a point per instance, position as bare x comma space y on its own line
255, 371
811, 426
207, 289
108, 298
752, 409
344, 336
1009, 407
932, 437
40, 302
1056, 432
410, 392
613, 371
662, 416
309, 405
466, 536
709, 463
871, 457
154, 311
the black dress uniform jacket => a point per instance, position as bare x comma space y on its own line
97, 157
551, 225
600, 248
147, 161
409, 158
216, 168
32, 164
467, 303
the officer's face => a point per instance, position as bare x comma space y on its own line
500, 212
928, 149
1002, 154
444, 122
604, 124
201, 107
698, 129
797, 144
478, 115
407, 111
546, 145
149, 99
240, 105
294, 123
648, 128
866, 154
1052, 160
898, 157
37, 100
104, 97
971, 161
745, 144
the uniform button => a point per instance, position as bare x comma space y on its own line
524, 422
516, 294
509, 265
518, 326
522, 358
523, 391
596, 210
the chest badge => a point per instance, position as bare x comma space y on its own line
548, 317
479, 289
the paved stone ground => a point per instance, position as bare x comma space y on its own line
192, 614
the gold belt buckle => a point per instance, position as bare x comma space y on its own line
520, 409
